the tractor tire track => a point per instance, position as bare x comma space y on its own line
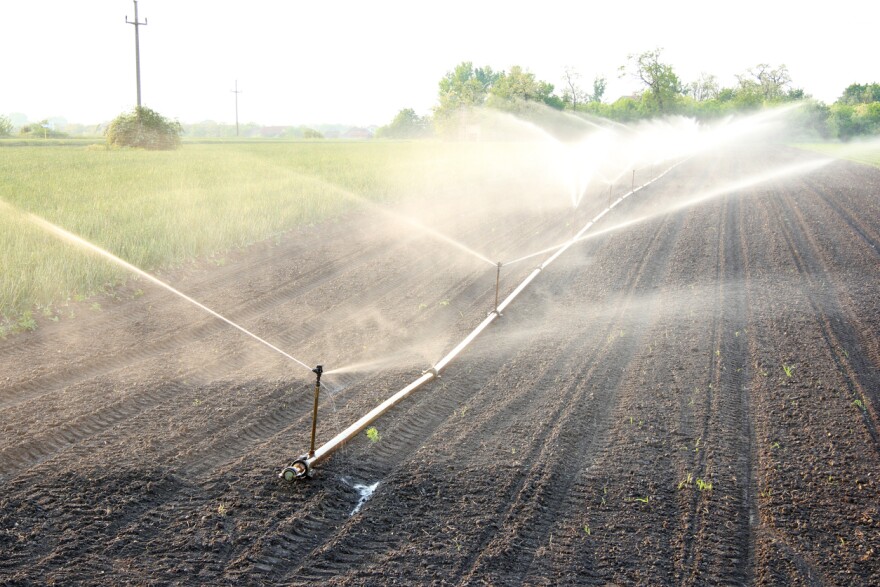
726, 427
41, 447
545, 488
838, 334
346, 551
103, 365
500, 471
240, 440
408, 434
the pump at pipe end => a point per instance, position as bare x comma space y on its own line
300, 469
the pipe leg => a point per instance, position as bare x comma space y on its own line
317, 371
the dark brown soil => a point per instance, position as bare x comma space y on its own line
734, 343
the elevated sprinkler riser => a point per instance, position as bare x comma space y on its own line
317, 371
301, 467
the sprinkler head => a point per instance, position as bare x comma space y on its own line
317, 371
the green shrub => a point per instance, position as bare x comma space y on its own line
5, 126
40, 130
145, 129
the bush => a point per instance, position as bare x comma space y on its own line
40, 130
406, 125
145, 129
5, 127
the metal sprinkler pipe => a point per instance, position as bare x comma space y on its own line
302, 466
497, 283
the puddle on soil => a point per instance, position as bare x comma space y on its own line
364, 491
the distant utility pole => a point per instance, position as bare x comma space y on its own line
137, 47
236, 92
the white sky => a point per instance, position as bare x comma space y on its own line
360, 62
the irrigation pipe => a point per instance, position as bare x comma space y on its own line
303, 466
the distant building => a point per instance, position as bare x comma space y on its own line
272, 132
357, 133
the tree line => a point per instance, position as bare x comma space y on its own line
662, 93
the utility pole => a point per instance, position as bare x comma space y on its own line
236, 92
137, 48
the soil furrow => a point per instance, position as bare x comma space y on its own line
203, 328
41, 447
538, 503
789, 472
842, 339
572, 443
334, 554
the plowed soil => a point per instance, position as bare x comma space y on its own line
694, 400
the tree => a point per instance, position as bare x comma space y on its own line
869, 116
572, 94
704, 88
624, 109
847, 121
510, 90
5, 126
769, 84
810, 121
464, 87
663, 85
599, 85
860, 94
406, 125
145, 129
840, 121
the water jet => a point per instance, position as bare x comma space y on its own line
68, 236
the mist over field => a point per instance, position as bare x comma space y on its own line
592, 322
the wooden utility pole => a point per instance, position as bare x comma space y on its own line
137, 48
236, 92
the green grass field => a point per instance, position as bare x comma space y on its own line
160, 209
868, 153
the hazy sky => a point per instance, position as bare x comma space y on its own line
358, 62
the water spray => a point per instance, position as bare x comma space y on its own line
65, 235
303, 466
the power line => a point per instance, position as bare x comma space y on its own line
137, 48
